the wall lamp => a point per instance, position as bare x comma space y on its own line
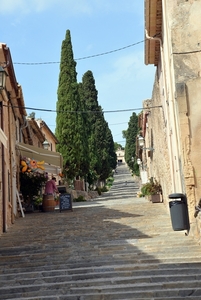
3, 76
141, 144
140, 141
46, 145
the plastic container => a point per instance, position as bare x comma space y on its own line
179, 212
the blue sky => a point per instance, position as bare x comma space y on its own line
34, 31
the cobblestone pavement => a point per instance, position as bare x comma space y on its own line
117, 246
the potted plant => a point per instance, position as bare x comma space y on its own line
56, 199
31, 184
152, 190
38, 202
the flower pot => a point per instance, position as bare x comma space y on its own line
56, 202
157, 198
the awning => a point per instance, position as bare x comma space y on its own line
40, 154
3, 138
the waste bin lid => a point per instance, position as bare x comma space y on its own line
176, 196
176, 202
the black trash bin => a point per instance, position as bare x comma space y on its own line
179, 212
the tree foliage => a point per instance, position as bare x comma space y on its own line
102, 155
70, 129
118, 146
130, 148
85, 140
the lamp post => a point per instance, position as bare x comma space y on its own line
46, 145
3, 76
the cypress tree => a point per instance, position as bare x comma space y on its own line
70, 129
102, 156
130, 148
111, 149
88, 94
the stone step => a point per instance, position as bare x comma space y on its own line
173, 275
117, 247
124, 296
137, 244
137, 241
111, 290
125, 253
53, 264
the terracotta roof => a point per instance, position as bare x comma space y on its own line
36, 131
43, 124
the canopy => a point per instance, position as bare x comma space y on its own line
3, 138
40, 154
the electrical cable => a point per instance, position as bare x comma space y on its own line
81, 58
79, 111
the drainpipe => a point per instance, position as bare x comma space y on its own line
168, 123
3, 175
11, 168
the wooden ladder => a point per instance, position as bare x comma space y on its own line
19, 202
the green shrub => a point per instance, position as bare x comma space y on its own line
151, 188
104, 189
79, 199
98, 189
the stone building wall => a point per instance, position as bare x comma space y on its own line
5, 179
186, 48
176, 126
158, 163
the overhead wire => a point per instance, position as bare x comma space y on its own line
80, 111
80, 58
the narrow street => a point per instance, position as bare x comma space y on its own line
115, 247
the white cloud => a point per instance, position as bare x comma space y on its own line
128, 78
25, 6
126, 68
72, 6
22, 6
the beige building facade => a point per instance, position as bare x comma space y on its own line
171, 118
12, 119
20, 137
120, 156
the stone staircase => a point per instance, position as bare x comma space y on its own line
115, 247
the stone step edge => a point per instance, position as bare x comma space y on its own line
68, 273
68, 280
116, 259
165, 294
70, 297
194, 284
75, 297
8, 252
129, 266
